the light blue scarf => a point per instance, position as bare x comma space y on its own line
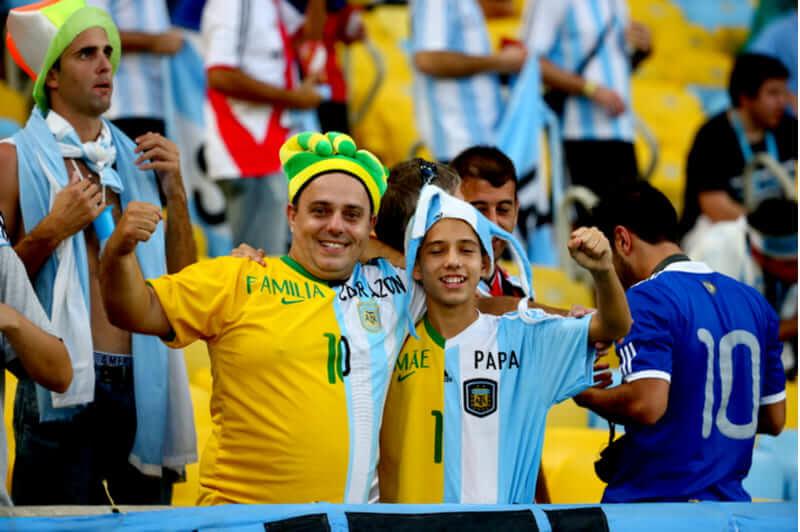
36, 143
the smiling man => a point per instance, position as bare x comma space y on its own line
465, 414
301, 347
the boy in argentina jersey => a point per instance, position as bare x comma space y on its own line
465, 414
701, 365
301, 347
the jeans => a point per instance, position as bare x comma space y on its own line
65, 462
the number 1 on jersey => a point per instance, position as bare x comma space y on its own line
437, 436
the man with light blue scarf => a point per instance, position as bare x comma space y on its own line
123, 429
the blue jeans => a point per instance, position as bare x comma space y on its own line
65, 462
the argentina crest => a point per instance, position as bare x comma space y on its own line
480, 397
370, 315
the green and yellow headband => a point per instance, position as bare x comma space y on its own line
307, 155
39, 33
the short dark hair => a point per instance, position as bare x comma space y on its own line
406, 179
775, 217
750, 71
487, 163
642, 209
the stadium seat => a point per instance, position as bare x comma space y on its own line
568, 461
791, 404
13, 106
185, 493
8, 419
555, 289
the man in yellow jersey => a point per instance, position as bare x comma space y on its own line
466, 409
301, 348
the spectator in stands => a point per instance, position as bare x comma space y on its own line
456, 75
489, 183
27, 344
761, 251
511, 368
343, 25
125, 423
779, 40
252, 90
138, 101
726, 143
701, 365
588, 50
296, 428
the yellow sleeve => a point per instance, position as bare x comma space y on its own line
198, 299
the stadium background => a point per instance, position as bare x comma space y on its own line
674, 91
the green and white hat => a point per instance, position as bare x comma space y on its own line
39, 33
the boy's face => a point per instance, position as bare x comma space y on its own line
450, 263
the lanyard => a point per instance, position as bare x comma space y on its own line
744, 145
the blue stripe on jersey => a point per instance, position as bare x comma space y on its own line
583, 104
604, 55
516, 482
467, 93
452, 434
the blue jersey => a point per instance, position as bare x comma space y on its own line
715, 340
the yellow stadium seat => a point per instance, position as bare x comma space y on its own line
555, 289
791, 405
13, 105
185, 493
670, 176
8, 419
568, 461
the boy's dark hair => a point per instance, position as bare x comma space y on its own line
487, 163
642, 209
750, 72
774, 217
406, 179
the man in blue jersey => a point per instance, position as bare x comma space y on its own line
701, 365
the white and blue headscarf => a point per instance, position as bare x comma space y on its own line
435, 204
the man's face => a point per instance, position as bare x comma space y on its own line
767, 108
450, 263
498, 204
83, 82
330, 225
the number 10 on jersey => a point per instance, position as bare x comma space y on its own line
727, 344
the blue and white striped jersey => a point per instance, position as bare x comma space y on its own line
453, 114
464, 418
565, 31
716, 341
139, 82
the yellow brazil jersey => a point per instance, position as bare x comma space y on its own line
300, 369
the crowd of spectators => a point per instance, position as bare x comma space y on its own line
345, 266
